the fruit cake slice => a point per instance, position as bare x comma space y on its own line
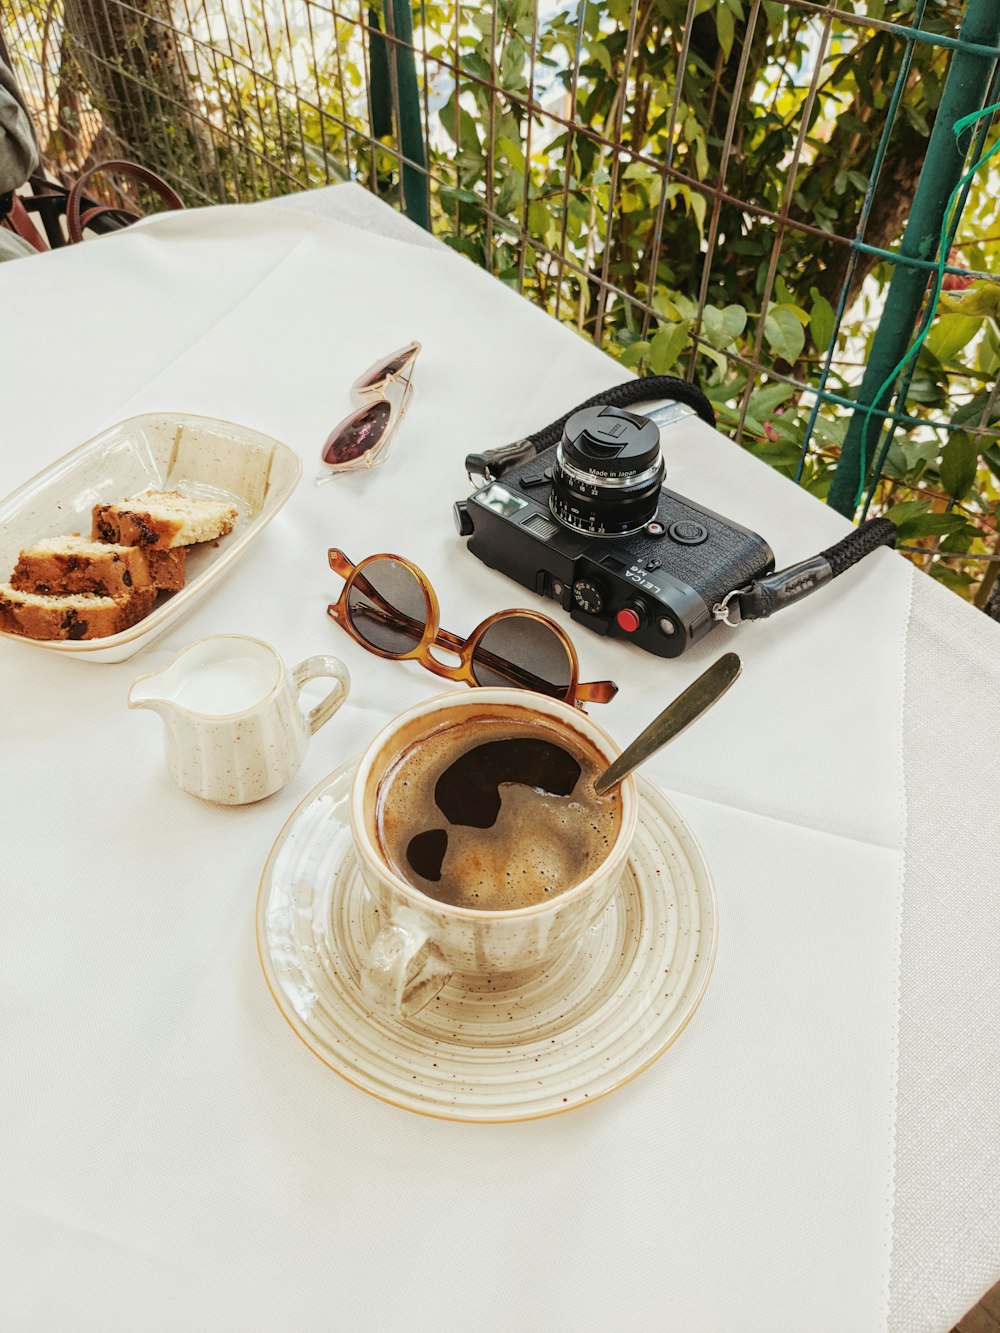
73, 563
163, 519
80, 616
166, 568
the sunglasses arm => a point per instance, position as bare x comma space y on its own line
596, 691
339, 563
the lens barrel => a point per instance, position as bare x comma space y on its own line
608, 472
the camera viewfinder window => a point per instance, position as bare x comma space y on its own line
500, 500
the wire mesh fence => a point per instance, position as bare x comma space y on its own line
725, 189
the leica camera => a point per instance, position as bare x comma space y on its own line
589, 523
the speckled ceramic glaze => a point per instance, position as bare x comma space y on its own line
159, 451
234, 729
424, 941
489, 1048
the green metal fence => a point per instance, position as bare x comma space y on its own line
748, 192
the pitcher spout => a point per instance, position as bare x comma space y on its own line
148, 692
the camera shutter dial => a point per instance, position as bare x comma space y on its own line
589, 596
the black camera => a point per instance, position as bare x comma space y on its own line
589, 523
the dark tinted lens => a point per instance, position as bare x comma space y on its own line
357, 434
387, 607
520, 651
381, 370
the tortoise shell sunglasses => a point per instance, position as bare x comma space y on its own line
389, 607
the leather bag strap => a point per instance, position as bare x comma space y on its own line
19, 222
75, 223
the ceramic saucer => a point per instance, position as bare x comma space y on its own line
481, 1051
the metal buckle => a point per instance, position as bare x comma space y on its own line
720, 610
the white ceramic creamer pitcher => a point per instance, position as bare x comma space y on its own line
235, 730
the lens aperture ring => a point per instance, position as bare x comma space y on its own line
586, 521
604, 506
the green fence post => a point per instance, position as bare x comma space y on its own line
393, 79
410, 127
968, 79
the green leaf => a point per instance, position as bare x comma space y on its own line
725, 28
631, 356
784, 333
477, 65
599, 53
721, 364
914, 518
991, 457
959, 461
764, 401
511, 72
956, 579
723, 327
821, 320
775, 15
684, 306
928, 391
905, 510
697, 204
730, 391
951, 333
988, 353
538, 217
932, 525
468, 138
666, 346
512, 152
982, 298
463, 196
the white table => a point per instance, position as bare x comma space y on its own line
74, 370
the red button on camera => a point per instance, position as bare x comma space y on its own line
627, 620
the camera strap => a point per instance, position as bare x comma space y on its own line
493, 463
764, 596
756, 600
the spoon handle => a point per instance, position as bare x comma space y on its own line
698, 696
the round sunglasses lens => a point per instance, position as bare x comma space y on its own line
522, 651
390, 365
357, 434
387, 607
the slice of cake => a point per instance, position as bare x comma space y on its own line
76, 564
166, 568
73, 563
80, 616
163, 519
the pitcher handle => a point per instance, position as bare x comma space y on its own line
403, 970
328, 705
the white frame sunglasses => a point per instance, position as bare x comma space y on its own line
364, 438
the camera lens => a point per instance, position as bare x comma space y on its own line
608, 472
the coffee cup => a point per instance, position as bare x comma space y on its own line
424, 941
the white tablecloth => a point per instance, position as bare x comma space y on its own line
173, 1158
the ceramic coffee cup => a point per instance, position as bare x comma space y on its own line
424, 942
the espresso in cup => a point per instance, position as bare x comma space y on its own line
495, 812
539, 890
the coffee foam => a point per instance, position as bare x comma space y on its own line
540, 844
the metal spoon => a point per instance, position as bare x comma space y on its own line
699, 696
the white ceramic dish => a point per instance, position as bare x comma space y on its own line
160, 451
558, 1039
